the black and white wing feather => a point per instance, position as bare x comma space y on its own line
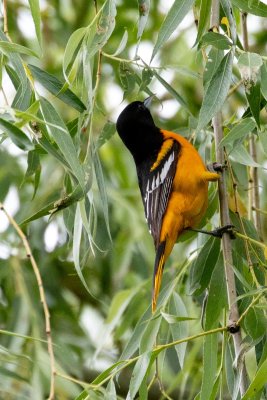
156, 187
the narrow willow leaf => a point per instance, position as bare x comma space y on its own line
102, 190
257, 383
203, 266
135, 338
100, 378
72, 48
57, 205
174, 319
216, 40
256, 7
122, 44
138, 375
215, 57
172, 91
111, 391
239, 131
174, 17
101, 28
209, 365
217, 91
23, 95
217, 296
17, 136
249, 65
144, 6
255, 323
8, 47
240, 155
264, 80
77, 237
54, 86
180, 329
36, 16
228, 12
149, 336
107, 132
204, 18
63, 139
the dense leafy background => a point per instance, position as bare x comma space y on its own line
70, 183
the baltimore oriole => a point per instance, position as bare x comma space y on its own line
172, 177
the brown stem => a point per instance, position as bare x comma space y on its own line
42, 299
227, 250
253, 192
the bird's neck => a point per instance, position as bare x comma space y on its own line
144, 143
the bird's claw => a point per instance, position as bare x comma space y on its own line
218, 232
216, 167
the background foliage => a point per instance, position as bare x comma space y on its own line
71, 185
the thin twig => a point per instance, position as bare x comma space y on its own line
225, 220
42, 299
242, 316
254, 197
5, 19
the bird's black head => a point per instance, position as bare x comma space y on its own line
137, 129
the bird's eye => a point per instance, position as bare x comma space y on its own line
141, 107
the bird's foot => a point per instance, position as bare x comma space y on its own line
216, 167
218, 232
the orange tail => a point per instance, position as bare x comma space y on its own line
158, 271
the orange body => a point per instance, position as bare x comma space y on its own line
188, 200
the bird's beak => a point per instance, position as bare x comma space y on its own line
148, 101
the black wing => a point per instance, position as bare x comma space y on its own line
156, 186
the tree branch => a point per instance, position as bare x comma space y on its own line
42, 298
225, 220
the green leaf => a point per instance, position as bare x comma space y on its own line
17, 136
176, 14
72, 48
138, 375
174, 319
8, 47
179, 330
107, 132
249, 65
209, 365
36, 16
254, 7
54, 86
217, 91
99, 379
122, 44
63, 139
239, 131
127, 78
240, 154
228, 12
203, 266
111, 391
77, 237
101, 28
143, 6
258, 382
264, 80
215, 57
217, 296
255, 323
172, 91
204, 18
149, 336
216, 40
58, 205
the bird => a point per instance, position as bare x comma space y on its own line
172, 178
